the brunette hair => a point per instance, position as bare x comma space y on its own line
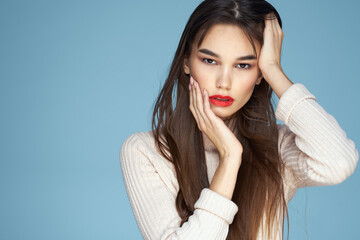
259, 190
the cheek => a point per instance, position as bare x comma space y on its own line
201, 74
248, 79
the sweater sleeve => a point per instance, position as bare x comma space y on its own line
153, 204
315, 149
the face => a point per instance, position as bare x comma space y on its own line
225, 64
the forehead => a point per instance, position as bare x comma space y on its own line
222, 37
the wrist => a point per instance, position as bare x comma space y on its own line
231, 161
271, 69
277, 80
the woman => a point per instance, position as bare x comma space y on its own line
216, 165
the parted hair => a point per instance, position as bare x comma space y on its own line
259, 189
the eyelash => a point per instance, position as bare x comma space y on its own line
205, 60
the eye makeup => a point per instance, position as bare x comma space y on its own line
210, 61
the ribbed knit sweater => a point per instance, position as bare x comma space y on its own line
314, 148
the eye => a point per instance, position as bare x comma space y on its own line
209, 61
244, 65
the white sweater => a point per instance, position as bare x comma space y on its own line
315, 149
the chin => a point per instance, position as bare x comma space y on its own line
224, 116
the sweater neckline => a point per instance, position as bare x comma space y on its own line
209, 146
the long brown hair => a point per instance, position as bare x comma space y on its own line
259, 189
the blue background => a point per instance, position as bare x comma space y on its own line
78, 77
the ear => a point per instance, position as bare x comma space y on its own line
186, 66
258, 81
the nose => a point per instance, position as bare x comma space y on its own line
224, 79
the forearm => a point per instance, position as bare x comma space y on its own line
152, 200
313, 144
224, 179
277, 80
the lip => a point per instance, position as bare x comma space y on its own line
221, 103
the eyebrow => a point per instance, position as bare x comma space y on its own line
207, 51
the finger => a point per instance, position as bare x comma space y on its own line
200, 105
191, 105
276, 25
197, 106
207, 109
277, 28
193, 94
273, 23
269, 29
267, 21
193, 102
268, 16
272, 16
278, 33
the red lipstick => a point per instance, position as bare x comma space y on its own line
221, 101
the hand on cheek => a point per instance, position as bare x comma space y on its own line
210, 124
198, 103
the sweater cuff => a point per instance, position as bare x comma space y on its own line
295, 94
216, 204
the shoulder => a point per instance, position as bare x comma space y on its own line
139, 137
138, 144
137, 140
139, 152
